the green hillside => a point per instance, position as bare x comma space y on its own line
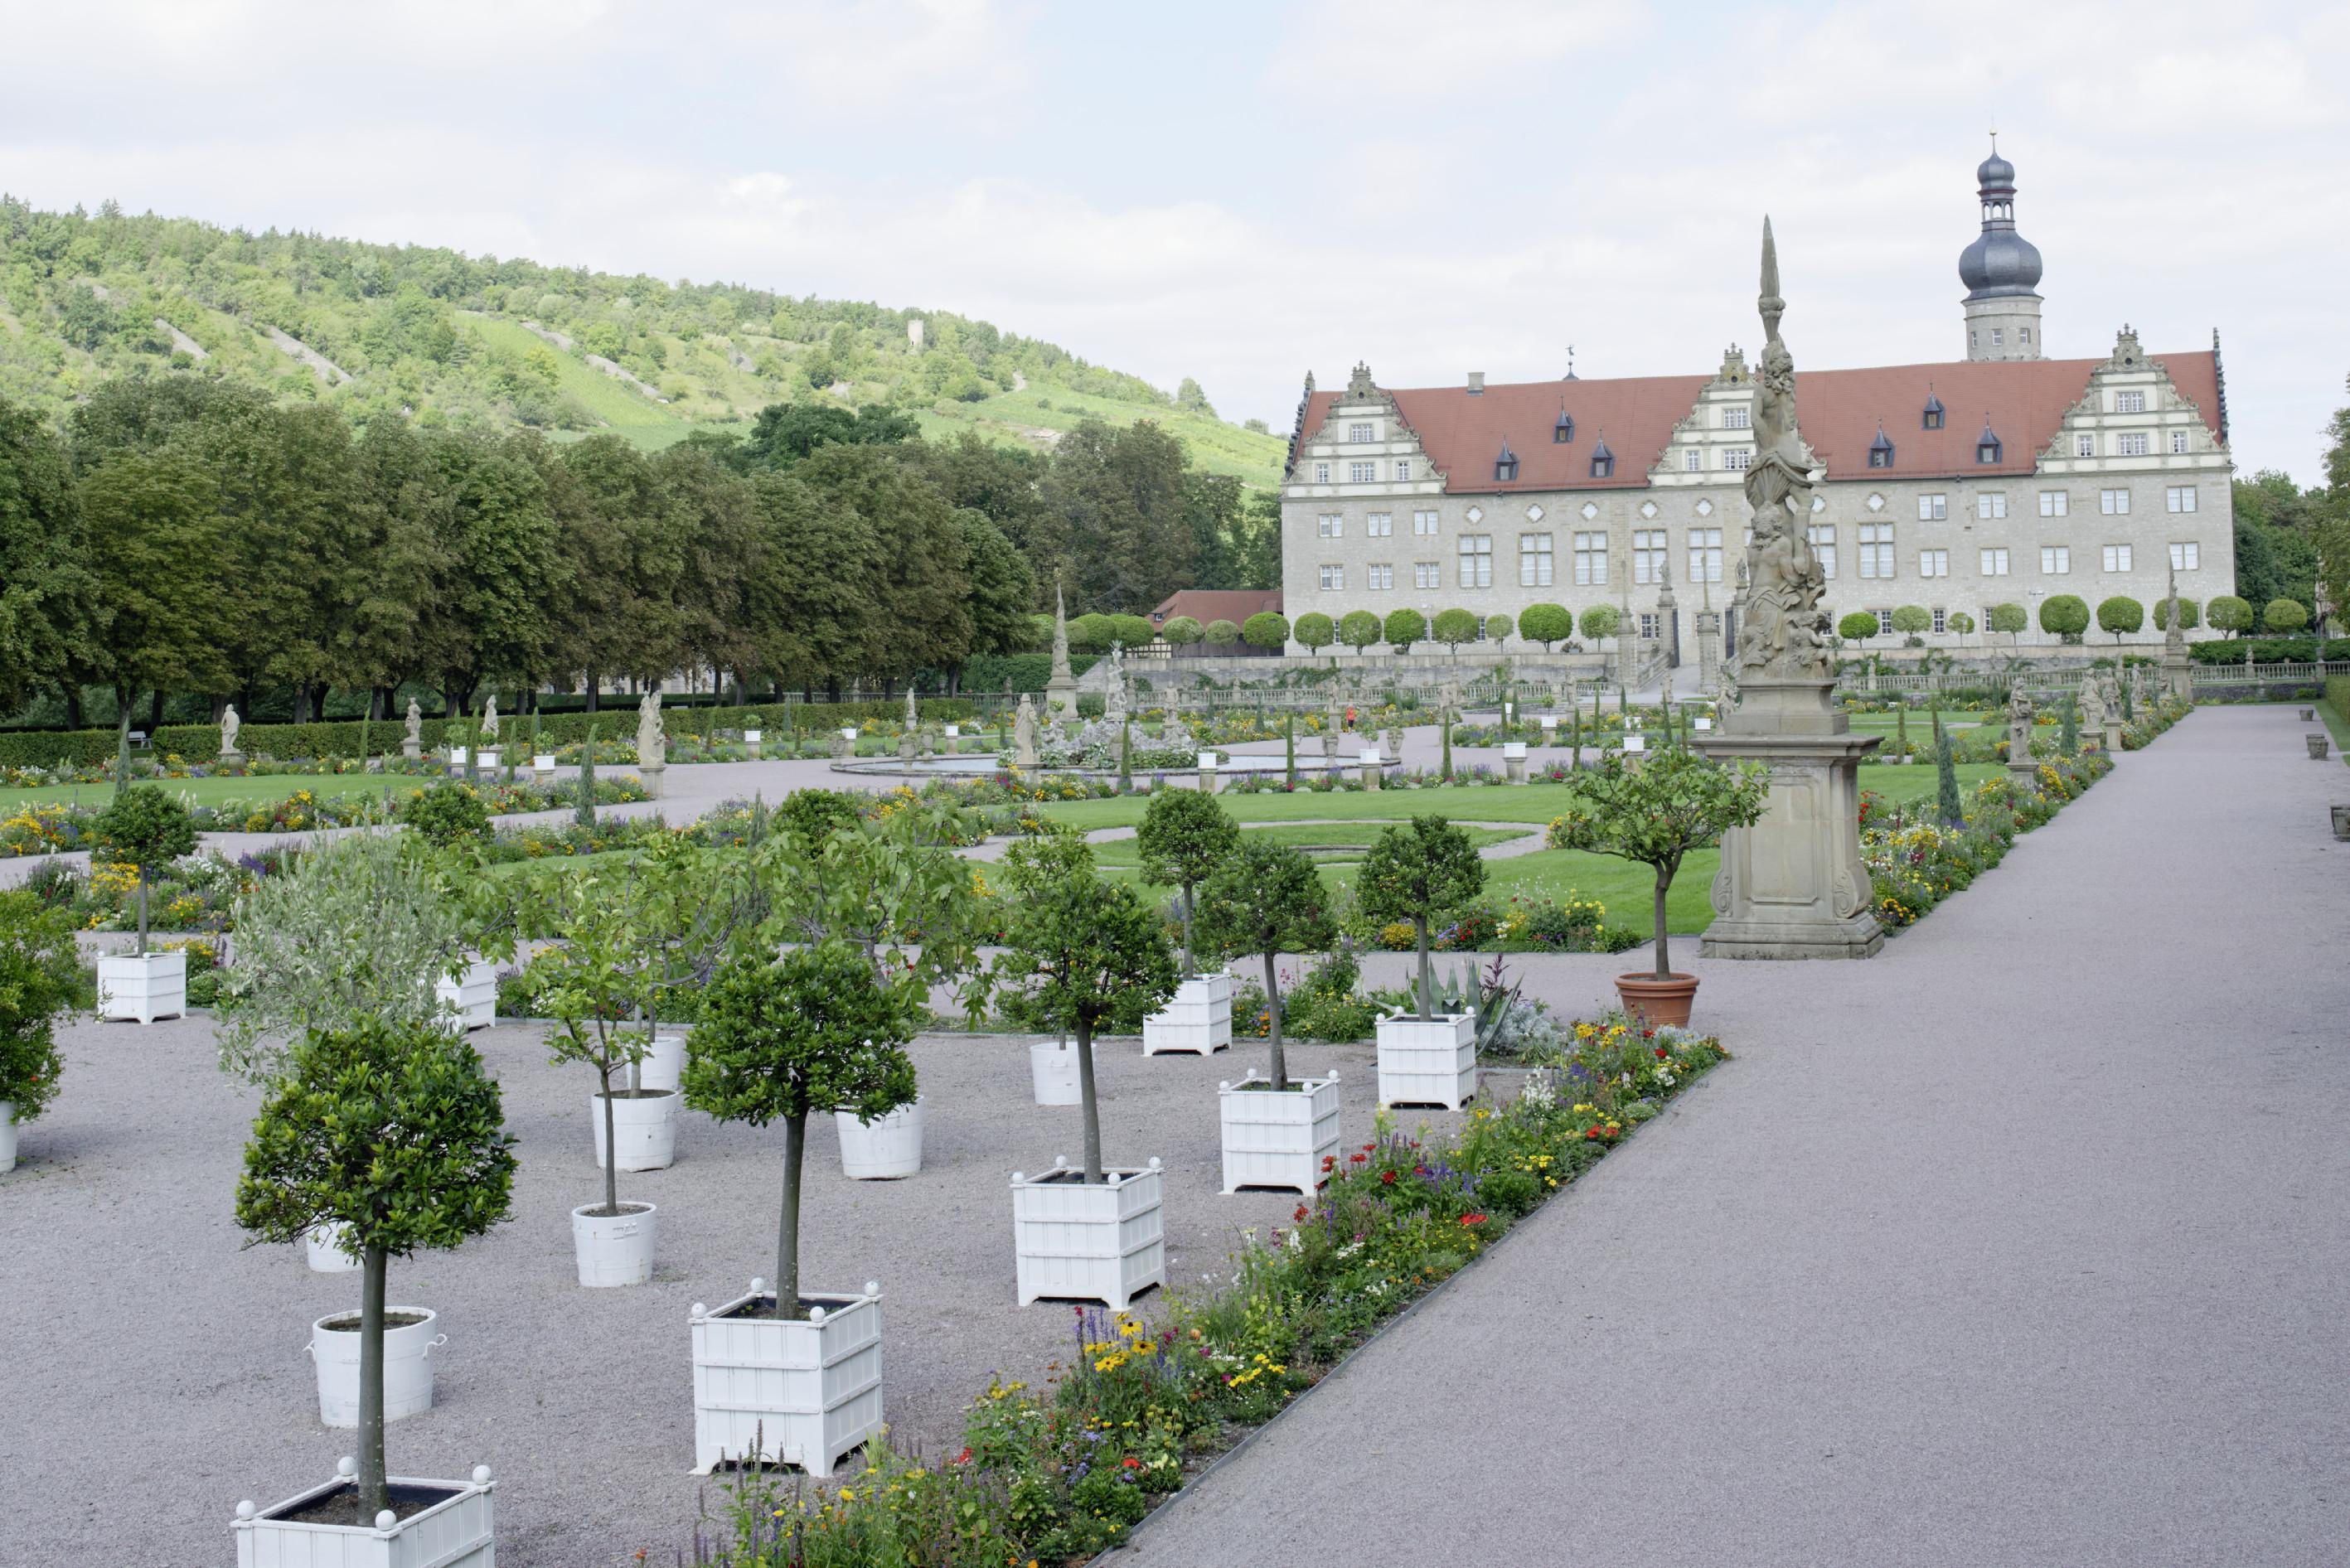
456, 340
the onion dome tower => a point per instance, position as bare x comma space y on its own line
2001, 272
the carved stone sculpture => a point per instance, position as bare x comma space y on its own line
412, 745
230, 725
651, 751
1783, 632
1024, 733
490, 720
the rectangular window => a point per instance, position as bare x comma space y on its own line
1321, 474
1991, 505
1649, 625
1941, 619
1692, 460
2129, 402
1997, 337
2114, 502
1884, 622
1533, 561
2056, 560
2187, 555
2084, 446
1648, 555
1738, 459
1734, 418
2023, 333
1423, 522
1877, 549
1933, 563
2180, 498
1361, 432
1362, 473
1994, 563
1590, 560
1382, 575
1933, 508
1428, 574
1334, 578
1476, 560
1332, 524
1403, 468
1705, 554
2131, 443
2053, 503
1823, 538
1379, 525
2118, 557
2178, 442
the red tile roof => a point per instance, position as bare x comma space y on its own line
1205, 604
1838, 410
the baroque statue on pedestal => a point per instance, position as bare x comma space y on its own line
1783, 633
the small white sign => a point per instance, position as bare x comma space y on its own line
1705, 723
1549, 723
954, 732
1636, 742
848, 731
752, 737
1207, 759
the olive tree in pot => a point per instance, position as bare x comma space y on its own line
1185, 835
147, 828
792, 1375
394, 1132
1084, 955
1266, 900
1654, 814
1415, 872
40, 978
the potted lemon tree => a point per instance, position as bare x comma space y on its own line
1415, 872
146, 827
40, 978
1184, 836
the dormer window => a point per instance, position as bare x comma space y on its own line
1603, 461
1564, 431
1987, 446
1880, 450
1506, 466
1933, 416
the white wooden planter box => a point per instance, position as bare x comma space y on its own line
1431, 1061
1279, 1139
7, 1137
454, 1532
645, 1126
492, 757
542, 763
142, 987
1198, 1018
407, 1365
882, 1151
1104, 1242
786, 1391
1053, 1071
473, 996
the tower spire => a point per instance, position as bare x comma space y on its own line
2001, 272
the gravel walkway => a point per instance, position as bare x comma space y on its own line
2020, 1244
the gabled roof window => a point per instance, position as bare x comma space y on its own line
1603, 461
1934, 411
1880, 450
1564, 431
1506, 466
1987, 446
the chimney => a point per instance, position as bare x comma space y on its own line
1476, 383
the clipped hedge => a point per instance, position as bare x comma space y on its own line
2268, 650
2338, 696
341, 738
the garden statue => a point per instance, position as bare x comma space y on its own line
1783, 632
1061, 688
1024, 733
230, 725
1391, 741
2093, 711
490, 720
652, 754
412, 745
913, 714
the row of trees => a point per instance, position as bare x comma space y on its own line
2067, 616
1403, 630
187, 535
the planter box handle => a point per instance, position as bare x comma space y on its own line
435, 1342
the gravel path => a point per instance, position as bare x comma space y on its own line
2020, 1243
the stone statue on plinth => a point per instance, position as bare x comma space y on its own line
490, 720
2021, 769
230, 725
652, 752
1024, 733
1794, 885
412, 745
1061, 688
2178, 673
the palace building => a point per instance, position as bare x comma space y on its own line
2000, 478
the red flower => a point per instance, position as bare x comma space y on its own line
1662, 1053
963, 1458
1386, 1178
1330, 1160
1590, 1132
1648, 1034
1472, 1220
1301, 1215
1130, 1462
1357, 1159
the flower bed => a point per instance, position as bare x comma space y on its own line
1058, 1474
1915, 861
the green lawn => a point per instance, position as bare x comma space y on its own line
212, 791
1125, 855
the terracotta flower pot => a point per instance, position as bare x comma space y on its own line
1658, 1002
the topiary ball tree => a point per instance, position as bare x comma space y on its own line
1182, 631
1313, 631
1961, 622
812, 1029
1911, 620
1088, 954
2190, 614
1221, 634
1857, 626
448, 813
1546, 624
1454, 627
1267, 899
2009, 618
40, 978
1184, 836
1415, 871
395, 1132
1359, 629
1656, 813
1403, 627
2120, 615
2228, 614
1131, 630
1266, 629
2284, 617
1498, 628
146, 828
2064, 617
1601, 620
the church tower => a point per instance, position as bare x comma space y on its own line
2000, 270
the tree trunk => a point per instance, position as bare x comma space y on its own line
155, 710
594, 690
1427, 970
374, 1495
1664, 954
73, 707
301, 704
121, 739
1189, 968
1092, 1106
611, 1150
787, 1221
1273, 1023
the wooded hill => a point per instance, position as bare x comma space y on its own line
474, 342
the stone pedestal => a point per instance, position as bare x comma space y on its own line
413, 751
1793, 886
232, 758
2113, 736
2178, 675
1709, 649
650, 775
907, 744
1372, 770
1330, 746
1391, 742
1514, 761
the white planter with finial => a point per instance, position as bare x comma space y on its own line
454, 1528
142, 987
1428, 1061
792, 1391
1279, 1138
1076, 1240
1198, 1018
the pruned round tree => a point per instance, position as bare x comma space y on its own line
2284, 617
2064, 616
1182, 631
1601, 620
1454, 627
1414, 872
1221, 634
1546, 624
1911, 620
1184, 836
2230, 614
2009, 618
1266, 629
1857, 626
1403, 627
1359, 630
395, 1132
2120, 615
1498, 628
1313, 631
1961, 622
1267, 899
147, 828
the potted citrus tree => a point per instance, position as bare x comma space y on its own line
1654, 814
393, 1131
147, 828
1266, 900
1084, 955
1415, 872
1184, 837
40, 978
782, 1372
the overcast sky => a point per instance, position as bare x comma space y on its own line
1243, 192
